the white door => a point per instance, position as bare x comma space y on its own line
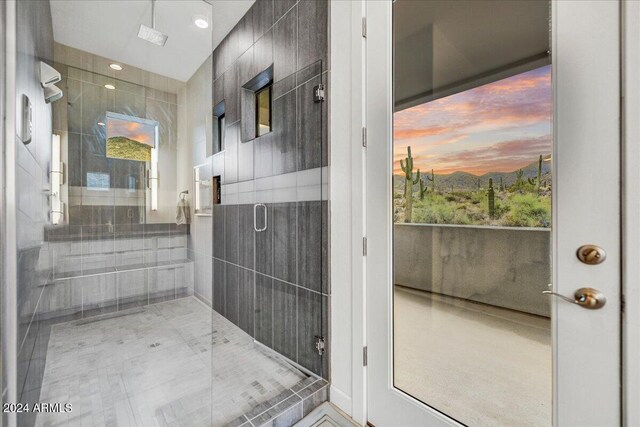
458, 328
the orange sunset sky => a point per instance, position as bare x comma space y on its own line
133, 130
498, 127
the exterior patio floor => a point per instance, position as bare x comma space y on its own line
482, 365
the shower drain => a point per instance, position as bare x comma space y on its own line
157, 344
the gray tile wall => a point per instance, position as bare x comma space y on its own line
34, 43
283, 301
272, 284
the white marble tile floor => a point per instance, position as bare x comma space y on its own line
176, 363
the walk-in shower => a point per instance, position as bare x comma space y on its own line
168, 263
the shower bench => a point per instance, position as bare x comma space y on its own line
106, 272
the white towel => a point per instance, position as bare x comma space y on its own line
183, 212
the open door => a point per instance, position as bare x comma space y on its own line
493, 274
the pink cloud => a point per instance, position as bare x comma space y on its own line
495, 127
500, 157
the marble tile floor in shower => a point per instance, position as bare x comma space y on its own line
175, 363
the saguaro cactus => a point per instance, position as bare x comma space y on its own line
501, 185
519, 182
423, 188
491, 199
537, 181
432, 178
409, 182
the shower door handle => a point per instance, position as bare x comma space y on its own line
255, 217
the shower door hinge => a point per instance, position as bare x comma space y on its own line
318, 93
364, 356
320, 345
364, 246
364, 27
364, 137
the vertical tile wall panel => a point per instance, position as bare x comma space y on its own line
219, 303
285, 325
218, 231
284, 242
264, 310
246, 236
231, 233
231, 293
246, 309
309, 319
309, 245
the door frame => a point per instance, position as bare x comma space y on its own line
630, 212
378, 91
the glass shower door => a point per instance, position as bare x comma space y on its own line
270, 231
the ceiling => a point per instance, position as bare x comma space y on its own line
109, 28
443, 47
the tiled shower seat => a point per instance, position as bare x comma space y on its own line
101, 275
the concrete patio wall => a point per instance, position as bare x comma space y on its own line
502, 266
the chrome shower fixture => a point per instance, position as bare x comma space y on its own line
150, 34
48, 77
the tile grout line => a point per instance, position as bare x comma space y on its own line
297, 280
274, 278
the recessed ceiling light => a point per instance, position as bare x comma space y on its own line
116, 67
201, 21
110, 87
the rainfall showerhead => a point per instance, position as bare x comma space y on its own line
150, 34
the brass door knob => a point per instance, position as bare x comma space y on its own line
591, 254
589, 298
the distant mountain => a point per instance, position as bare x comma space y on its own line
467, 181
121, 147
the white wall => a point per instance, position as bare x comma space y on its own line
346, 118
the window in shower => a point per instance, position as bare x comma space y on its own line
263, 111
219, 125
130, 138
98, 181
136, 139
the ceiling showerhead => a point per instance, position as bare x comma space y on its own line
150, 34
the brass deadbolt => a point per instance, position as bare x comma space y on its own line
591, 254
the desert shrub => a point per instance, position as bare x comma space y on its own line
517, 209
527, 210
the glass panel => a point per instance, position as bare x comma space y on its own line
119, 270
131, 310
269, 241
472, 209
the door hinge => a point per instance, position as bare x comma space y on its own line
320, 345
318, 93
364, 27
364, 137
365, 359
364, 246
